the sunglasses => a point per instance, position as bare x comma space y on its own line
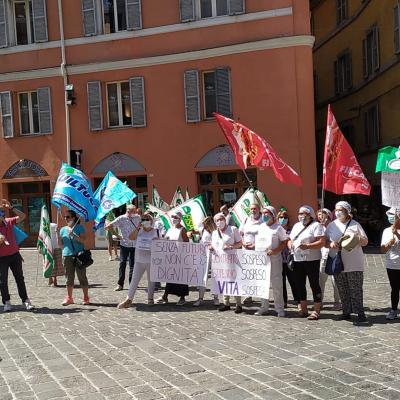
67, 217
145, 219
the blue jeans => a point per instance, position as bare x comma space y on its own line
126, 252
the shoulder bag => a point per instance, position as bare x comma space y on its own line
83, 259
334, 265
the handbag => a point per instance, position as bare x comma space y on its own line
83, 259
334, 265
290, 259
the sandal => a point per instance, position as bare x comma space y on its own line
302, 314
314, 316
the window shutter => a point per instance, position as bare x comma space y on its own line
3, 24
39, 20
138, 104
223, 86
95, 109
133, 14
397, 29
44, 106
236, 7
89, 17
192, 96
6, 111
375, 48
365, 58
187, 10
377, 137
348, 72
336, 76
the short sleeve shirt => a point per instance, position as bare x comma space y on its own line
352, 260
249, 229
143, 245
71, 246
7, 230
126, 226
269, 237
392, 256
309, 235
228, 237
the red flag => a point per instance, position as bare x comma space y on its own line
252, 150
341, 174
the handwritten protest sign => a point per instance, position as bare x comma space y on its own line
178, 262
390, 189
240, 273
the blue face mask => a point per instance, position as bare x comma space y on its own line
2, 214
391, 219
283, 221
265, 218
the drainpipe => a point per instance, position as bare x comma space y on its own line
65, 77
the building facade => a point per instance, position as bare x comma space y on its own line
357, 71
130, 86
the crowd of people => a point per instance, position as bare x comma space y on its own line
306, 250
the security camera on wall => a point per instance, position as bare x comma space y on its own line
70, 94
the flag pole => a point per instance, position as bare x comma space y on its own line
248, 179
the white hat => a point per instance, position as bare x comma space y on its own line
345, 205
393, 211
308, 210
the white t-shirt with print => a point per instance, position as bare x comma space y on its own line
249, 229
309, 235
392, 256
228, 237
269, 238
205, 237
143, 245
352, 260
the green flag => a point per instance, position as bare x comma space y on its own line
44, 244
388, 160
193, 212
157, 201
178, 198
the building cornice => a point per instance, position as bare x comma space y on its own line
268, 44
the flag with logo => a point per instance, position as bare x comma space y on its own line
187, 196
44, 244
161, 214
388, 163
178, 198
193, 212
74, 191
157, 201
112, 193
241, 210
342, 173
252, 150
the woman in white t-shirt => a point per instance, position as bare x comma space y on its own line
350, 281
390, 245
206, 233
306, 240
272, 239
143, 238
226, 237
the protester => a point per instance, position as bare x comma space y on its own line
306, 239
283, 220
350, 281
73, 237
127, 224
272, 238
248, 230
178, 233
390, 245
143, 238
206, 234
10, 257
58, 268
325, 218
111, 235
225, 210
226, 237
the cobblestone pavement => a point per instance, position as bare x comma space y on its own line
166, 352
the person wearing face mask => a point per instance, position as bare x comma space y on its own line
72, 238
350, 281
226, 237
390, 246
272, 239
143, 238
249, 230
176, 232
128, 224
283, 220
10, 257
306, 239
225, 210
325, 218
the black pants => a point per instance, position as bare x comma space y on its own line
287, 273
125, 254
394, 279
310, 270
14, 262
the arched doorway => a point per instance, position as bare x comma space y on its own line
28, 187
220, 179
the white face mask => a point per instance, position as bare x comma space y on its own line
302, 218
220, 224
146, 224
71, 223
340, 214
175, 221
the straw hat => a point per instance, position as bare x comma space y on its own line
349, 241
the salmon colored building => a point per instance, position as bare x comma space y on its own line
130, 86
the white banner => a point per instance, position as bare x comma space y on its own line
390, 189
240, 273
178, 262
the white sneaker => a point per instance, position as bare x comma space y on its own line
261, 311
216, 301
28, 305
281, 314
392, 314
198, 303
7, 307
110, 258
